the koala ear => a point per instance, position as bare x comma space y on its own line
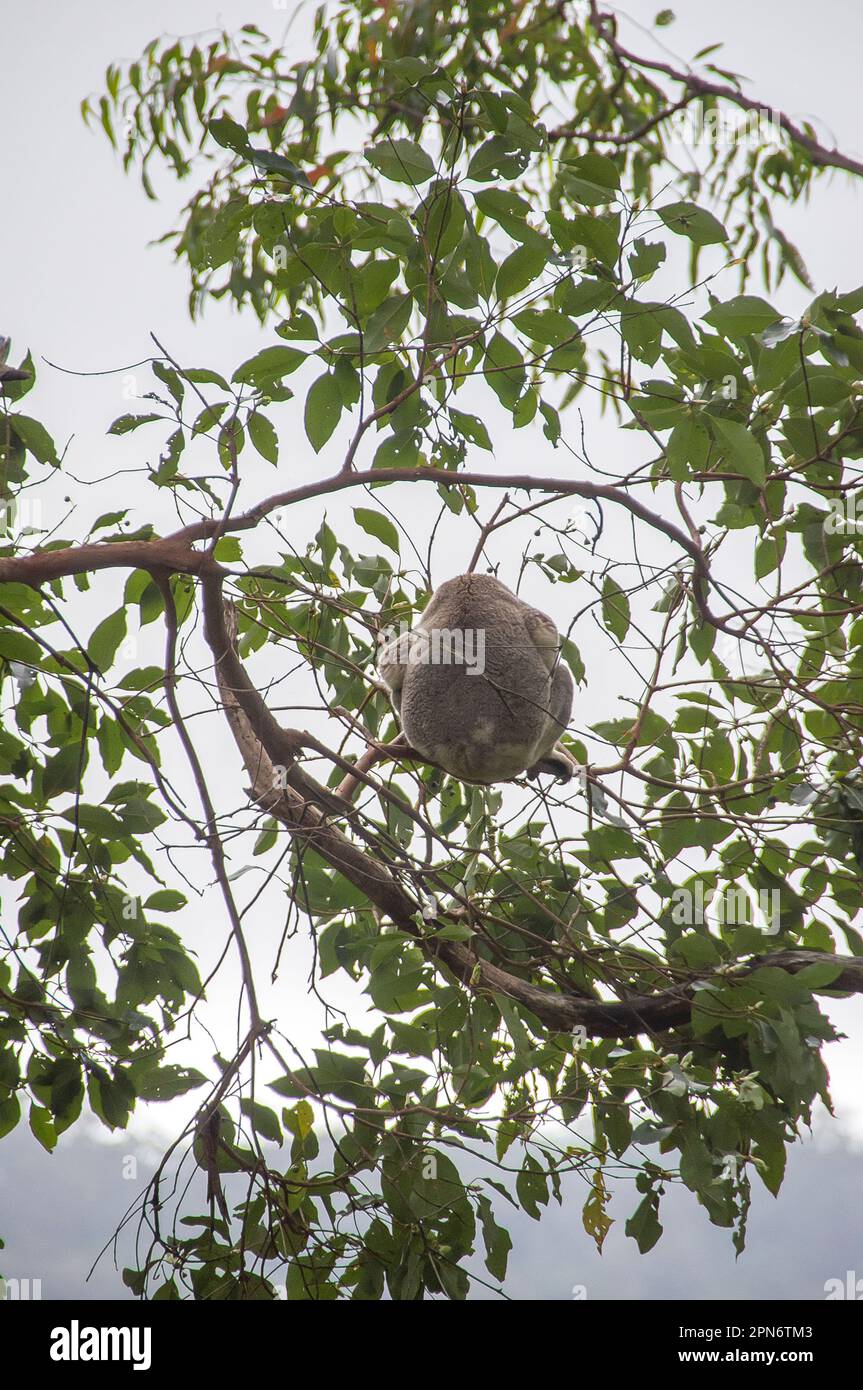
392, 666
396, 656
544, 635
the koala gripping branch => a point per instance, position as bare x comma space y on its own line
304, 806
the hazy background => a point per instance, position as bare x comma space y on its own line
83, 288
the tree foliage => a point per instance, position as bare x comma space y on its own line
435, 203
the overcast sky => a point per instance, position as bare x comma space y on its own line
84, 288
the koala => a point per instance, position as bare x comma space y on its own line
478, 684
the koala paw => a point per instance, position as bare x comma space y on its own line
557, 763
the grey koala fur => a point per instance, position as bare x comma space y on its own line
493, 726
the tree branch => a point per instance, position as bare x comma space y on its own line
697, 86
170, 554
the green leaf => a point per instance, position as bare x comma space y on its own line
144, 678
97, 820
445, 215
369, 285
470, 428
694, 222
203, 376
497, 159
10, 1114
503, 369
61, 772
377, 525
688, 448
551, 419
599, 168
740, 448
644, 1226
160, 1083
170, 378
615, 608
819, 976
387, 323
106, 639
35, 438
108, 520
14, 389
42, 1127
209, 416
335, 1074
323, 408
228, 133
594, 179
166, 900
661, 404
599, 235
269, 365
111, 745
263, 1120
496, 1239
399, 450
479, 265
647, 257
738, 317
402, 161
505, 207
411, 70
520, 268
124, 423
263, 435
273, 163
220, 241
531, 1187
17, 646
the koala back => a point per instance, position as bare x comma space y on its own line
479, 703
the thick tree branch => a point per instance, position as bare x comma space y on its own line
168, 554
